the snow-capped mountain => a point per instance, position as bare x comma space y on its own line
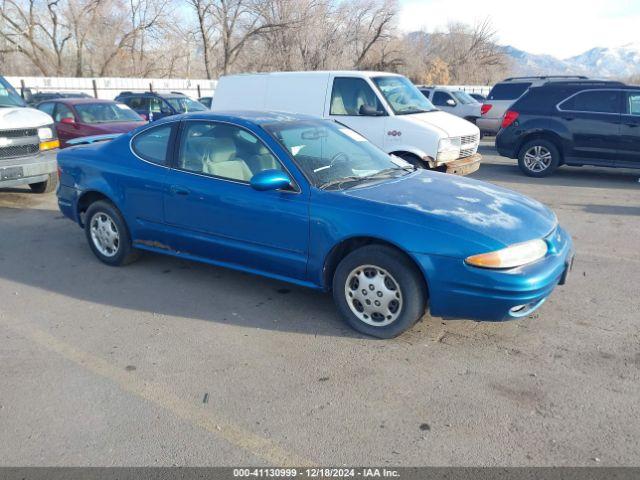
621, 62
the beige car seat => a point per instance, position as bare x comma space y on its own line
220, 160
337, 104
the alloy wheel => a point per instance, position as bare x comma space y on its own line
537, 159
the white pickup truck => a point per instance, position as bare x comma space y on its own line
28, 144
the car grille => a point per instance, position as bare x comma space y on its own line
19, 133
19, 142
470, 139
19, 151
469, 145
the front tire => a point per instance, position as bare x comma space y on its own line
48, 186
539, 158
108, 235
379, 291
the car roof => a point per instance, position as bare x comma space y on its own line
152, 94
241, 116
82, 100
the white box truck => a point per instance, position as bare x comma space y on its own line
386, 108
28, 144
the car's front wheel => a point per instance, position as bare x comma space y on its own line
108, 235
379, 291
538, 158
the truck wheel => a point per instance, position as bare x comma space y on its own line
47, 186
378, 291
538, 158
108, 235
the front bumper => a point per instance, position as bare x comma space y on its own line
27, 170
464, 166
457, 290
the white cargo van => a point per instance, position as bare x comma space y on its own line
28, 144
384, 107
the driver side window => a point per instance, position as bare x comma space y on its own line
440, 99
62, 112
350, 95
223, 150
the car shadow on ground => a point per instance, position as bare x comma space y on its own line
495, 168
44, 250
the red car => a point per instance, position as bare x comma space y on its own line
85, 117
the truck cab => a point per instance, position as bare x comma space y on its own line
28, 144
385, 108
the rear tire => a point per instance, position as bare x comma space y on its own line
538, 158
47, 186
108, 235
379, 291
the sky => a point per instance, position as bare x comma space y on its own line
562, 28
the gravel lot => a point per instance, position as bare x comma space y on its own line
168, 362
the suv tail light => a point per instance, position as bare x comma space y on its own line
509, 118
485, 108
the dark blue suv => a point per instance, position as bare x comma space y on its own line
573, 123
154, 106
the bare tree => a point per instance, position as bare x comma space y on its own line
35, 29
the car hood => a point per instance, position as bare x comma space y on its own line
11, 118
458, 205
450, 125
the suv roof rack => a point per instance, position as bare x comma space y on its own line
587, 83
547, 77
177, 93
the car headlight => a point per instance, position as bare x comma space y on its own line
448, 149
512, 256
48, 138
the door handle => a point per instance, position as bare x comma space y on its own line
632, 125
178, 190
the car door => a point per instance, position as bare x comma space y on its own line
353, 103
592, 118
211, 210
629, 146
445, 102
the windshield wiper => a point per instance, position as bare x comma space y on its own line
356, 178
339, 181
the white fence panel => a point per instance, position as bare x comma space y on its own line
109, 88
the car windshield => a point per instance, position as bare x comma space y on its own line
332, 156
185, 104
464, 97
402, 95
8, 96
106, 113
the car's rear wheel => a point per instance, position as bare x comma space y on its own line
108, 235
48, 186
379, 291
538, 158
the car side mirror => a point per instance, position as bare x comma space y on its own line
270, 180
369, 111
451, 102
68, 121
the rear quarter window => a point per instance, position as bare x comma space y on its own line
508, 91
153, 145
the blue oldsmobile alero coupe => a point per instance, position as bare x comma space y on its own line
311, 202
